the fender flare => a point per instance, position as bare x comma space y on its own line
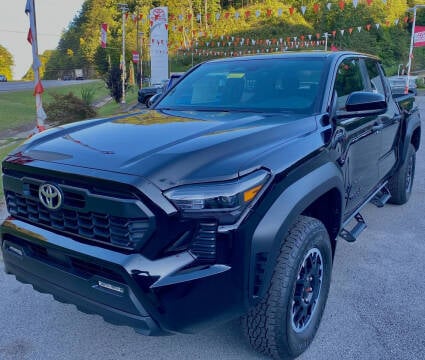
273, 227
413, 123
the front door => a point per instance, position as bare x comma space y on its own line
362, 141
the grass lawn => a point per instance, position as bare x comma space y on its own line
18, 108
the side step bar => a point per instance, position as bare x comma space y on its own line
353, 234
379, 199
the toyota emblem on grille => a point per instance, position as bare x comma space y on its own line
50, 196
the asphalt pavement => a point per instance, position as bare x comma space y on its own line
375, 310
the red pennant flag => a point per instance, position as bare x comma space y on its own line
341, 4
269, 12
333, 33
29, 36
318, 36
189, 16
166, 27
226, 15
38, 88
369, 2
316, 8
350, 30
368, 27
406, 19
291, 10
247, 14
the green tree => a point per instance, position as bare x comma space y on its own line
6, 62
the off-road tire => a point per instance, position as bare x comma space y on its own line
401, 183
269, 326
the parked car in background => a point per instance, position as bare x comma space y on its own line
146, 93
398, 84
3, 78
174, 78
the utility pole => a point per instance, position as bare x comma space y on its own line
124, 10
141, 58
412, 44
326, 36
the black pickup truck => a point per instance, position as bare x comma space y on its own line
225, 200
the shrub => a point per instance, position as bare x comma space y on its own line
68, 108
87, 94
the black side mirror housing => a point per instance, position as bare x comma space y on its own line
364, 103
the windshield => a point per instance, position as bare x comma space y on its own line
266, 85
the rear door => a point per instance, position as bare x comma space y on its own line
390, 121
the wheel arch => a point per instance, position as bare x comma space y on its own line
412, 135
315, 194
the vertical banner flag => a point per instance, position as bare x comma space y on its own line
103, 31
135, 56
419, 37
158, 20
38, 86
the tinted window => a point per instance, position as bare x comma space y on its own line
275, 84
375, 78
348, 79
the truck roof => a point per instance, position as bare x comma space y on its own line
298, 54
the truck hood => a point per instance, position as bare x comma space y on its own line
168, 148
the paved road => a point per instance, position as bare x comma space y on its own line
29, 85
376, 307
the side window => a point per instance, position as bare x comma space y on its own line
375, 78
348, 79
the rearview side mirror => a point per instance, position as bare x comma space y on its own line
364, 103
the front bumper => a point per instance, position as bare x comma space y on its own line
152, 296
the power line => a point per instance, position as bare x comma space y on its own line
25, 32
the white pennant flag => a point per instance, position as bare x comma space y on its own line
377, 26
342, 32
303, 9
355, 3
359, 28
329, 5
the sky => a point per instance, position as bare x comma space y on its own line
52, 17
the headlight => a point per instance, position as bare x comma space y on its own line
222, 200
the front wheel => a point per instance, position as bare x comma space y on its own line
285, 322
400, 185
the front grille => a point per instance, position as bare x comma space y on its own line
123, 223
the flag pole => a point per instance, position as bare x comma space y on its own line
409, 63
38, 87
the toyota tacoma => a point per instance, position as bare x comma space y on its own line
224, 200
